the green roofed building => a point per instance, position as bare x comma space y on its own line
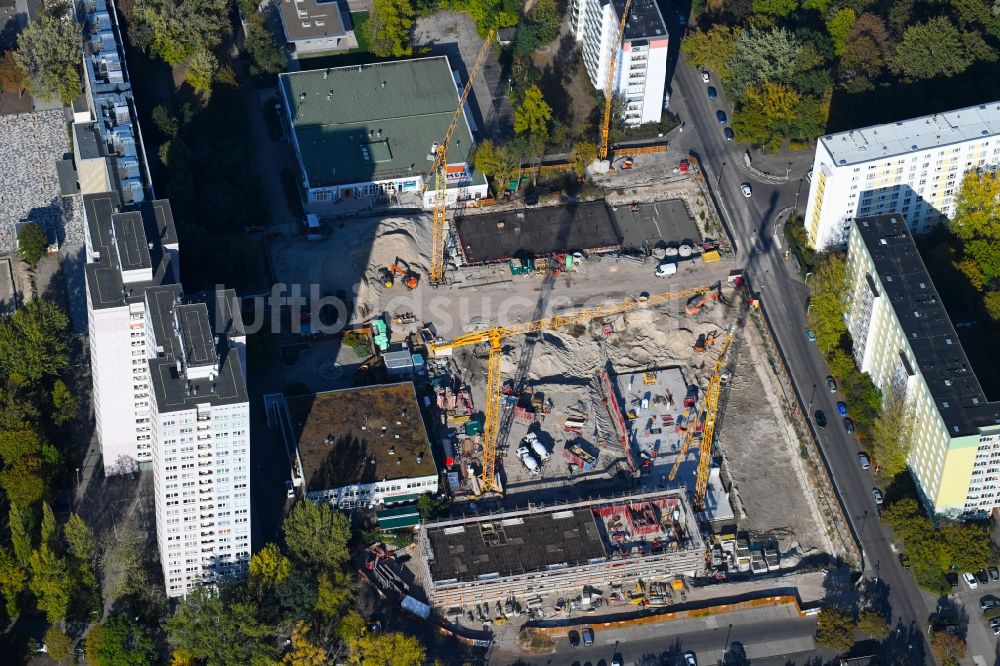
368, 131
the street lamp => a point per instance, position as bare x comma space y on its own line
807, 277
720, 174
77, 476
812, 396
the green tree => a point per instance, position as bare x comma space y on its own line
351, 626
866, 52
79, 539
968, 546
21, 482
33, 341
266, 59
18, 444
388, 28
932, 49
532, 116
119, 642
304, 652
50, 582
584, 154
32, 244
766, 114
497, 161
835, 629
64, 405
175, 30
58, 643
892, 433
316, 536
19, 535
48, 528
949, 648
826, 312
202, 71
165, 121
268, 568
13, 580
387, 649
334, 592
991, 301
775, 8
48, 50
712, 49
221, 634
544, 15
12, 76
873, 624
761, 56
839, 25
977, 221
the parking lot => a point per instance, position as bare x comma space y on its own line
962, 609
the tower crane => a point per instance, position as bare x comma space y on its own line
493, 338
609, 83
440, 168
702, 428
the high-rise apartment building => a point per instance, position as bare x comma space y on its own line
912, 168
642, 55
904, 339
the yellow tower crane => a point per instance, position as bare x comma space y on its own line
493, 337
440, 168
609, 83
705, 420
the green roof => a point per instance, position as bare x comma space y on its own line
397, 517
374, 122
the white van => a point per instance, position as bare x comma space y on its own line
665, 269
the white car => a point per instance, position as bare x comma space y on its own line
745, 188
970, 580
665, 269
704, 77
689, 659
289, 488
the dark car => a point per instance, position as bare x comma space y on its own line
842, 408
588, 636
820, 418
994, 573
982, 576
848, 424
989, 602
952, 579
574, 638
728, 133
720, 115
712, 94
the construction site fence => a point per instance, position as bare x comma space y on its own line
655, 616
852, 545
625, 151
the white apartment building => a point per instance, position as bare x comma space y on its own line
904, 339
641, 70
912, 168
201, 437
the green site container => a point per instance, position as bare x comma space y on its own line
473, 428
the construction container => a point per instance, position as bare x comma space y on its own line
398, 363
473, 428
684, 251
710, 256
521, 266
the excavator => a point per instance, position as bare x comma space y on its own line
705, 341
401, 268
696, 303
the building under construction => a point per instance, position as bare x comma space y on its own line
560, 548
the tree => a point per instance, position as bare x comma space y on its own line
839, 25
766, 114
50, 583
21, 482
202, 71
991, 301
119, 642
544, 17
58, 643
165, 121
387, 649
48, 50
932, 49
977, 221
33, 341
79, 539
32, 243
866, 52
13, 579
584, 154
351, 626
48, 529
64, 405
304, 652
775, 8
18, 444
835, 629
532, 116
712, 49
497, 161
761, 56
388, 27
19, 535
891, 434
333, 593
826, 314
266, 59
268, 568
968, 546
949, 648
221, 634
316, 536
12, 77
175, 30
296, 595
873, 624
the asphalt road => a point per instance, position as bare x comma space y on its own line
784, 297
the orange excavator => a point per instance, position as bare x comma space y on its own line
401, 268
705, 341
696, 303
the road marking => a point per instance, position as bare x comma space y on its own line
777, 241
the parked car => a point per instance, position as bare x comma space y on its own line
864, 460
745, 189
574, 638
994, 573
728, 133
996, 629
705, 77
712, 93
951, 577
831, 383
720, 115
820, 418
970, 580
689, 659
665, 269
842, 409
617, 660
41, 647
877, 495
982, 577
848, 425
289, 488
588, 636
810, 336
989, 602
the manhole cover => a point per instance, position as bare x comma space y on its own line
330, 370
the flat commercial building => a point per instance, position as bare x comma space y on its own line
641, 70
904, 339
314, 26
369, 132
358, 448
561, 548
912, 168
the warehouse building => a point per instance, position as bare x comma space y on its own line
315, 26
369, 132
560, 548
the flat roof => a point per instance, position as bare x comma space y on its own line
309, 19
374, 122
906, 136
196, 334
130, 241
535, 232
88, 139
360, 435
937, 350
658, 224
68, 179
644, 20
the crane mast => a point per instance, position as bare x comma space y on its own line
609, 83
